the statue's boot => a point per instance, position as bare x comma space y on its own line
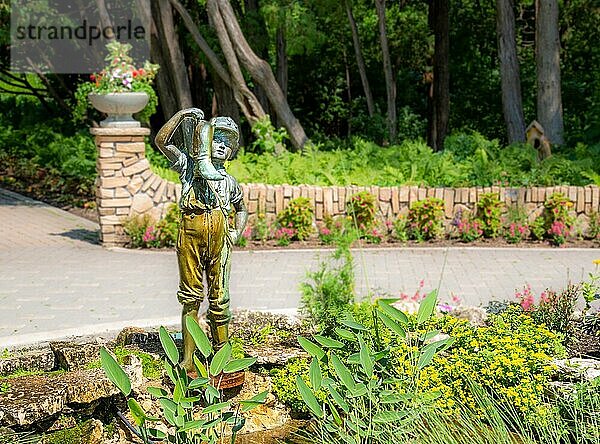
220, 335
203, 167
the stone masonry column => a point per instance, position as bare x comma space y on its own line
126, 186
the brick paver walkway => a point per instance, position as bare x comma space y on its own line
56, 281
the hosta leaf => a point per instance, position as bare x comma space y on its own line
426, 307
393, 313
155, 433
191, 425
391, 324
219, 359
430, 334
338, 399
309, 398
114, 372
238, 364
168, 345
342, 371
345, 334
200, 367
200, 338
168, 405
311, 348
216, 407
353, 325
365, 357
315, 375
198, 383
157, 391
389, 416
256, 400
426, 357
136, 410
328, 342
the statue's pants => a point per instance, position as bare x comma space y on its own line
201, 249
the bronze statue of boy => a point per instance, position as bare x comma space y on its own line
198, 150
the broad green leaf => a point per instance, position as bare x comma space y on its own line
216, 407
179, 391
200, 367
114, 372
365, 357
179, 420
430, 334
354, 358
169, 416
391, 324
315, 375
167, 404
155, 433
336, 416
198, 383
309, 398
358, 390
328, 342
435, 345
338, 399
238, 364
219, 359
168, 345
170, 371
430, 396
191, 425
345, 334
157, 391
211, 393
255, 401
200, 338
139, 416
342, 371
389, 416
426, 307
311, 348
353, 325
393, 313
426, 357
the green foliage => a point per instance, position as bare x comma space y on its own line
298, 216
268, 139
400, 229
426, 219
145, 232
284, 385
361, 207
469, 229
329, 290
180, 406
594, 227
489, 211
557, 221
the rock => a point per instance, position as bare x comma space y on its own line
578, 369
475, 315
92, 432
33, 360
63, 422
274, 355
32, 399
74, 356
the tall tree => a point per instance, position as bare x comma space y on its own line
390, 82
172, 80
547, 57
512, 104
232, 38
439, 22
360, 61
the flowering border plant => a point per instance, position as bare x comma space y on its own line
120, 75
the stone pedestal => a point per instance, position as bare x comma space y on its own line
126, 185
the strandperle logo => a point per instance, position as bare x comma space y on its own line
67, 37
85, 32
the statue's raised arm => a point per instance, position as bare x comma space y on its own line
176, 136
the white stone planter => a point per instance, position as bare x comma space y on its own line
119, 107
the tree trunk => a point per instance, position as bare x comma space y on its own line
547, 57
360, 61
440, 111
226, 104
282, 63
512, 104
173, 61
390, 83
244, 97
260, 71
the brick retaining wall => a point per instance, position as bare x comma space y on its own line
127, 186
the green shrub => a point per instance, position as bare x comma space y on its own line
537, 228
261, 228
283, 382
362, 207
298, 216
168, 226
145, 232
469, 229
400, 229
489, 210
557, 221
594, 226
426, 219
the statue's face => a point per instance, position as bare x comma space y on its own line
221, 146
